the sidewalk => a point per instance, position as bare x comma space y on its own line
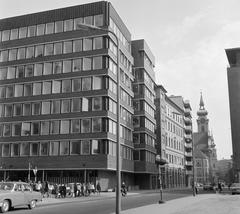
200, 204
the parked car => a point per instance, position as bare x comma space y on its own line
13, 194
208, 186
235, 188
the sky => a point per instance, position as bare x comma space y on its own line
188, 39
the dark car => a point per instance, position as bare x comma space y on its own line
235, 188
13, 194
208, 186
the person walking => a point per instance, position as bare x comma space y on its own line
219, 186
98, 189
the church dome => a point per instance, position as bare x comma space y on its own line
202, 112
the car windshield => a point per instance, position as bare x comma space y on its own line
6, 186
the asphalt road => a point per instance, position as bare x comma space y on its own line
103, 205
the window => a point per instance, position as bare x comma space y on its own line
40, 29
17, 111
24, 149
67, 47
65, 106
85, 104
33, 149
14, 150
20, 71
87, 44
16, 129
25, 129
38, 69
97, 83
9, 91
46, 107
26, 109
64, 147
43, 148
96, 103
95, 147
14, 34
98, 20
31, 31
39, 51
28, 70
48, 50
5, 35
27, 89
66, 86
1, 115
3, 73
54, 127
36, 108
54, 147
58, 48
22, 32
57, 67
12, 54
49, 28
2, 92
21, 53
68, 25
76, 85
96, 124
65, 124
97, 43
88, 20
77, 65
67, 66
59, 27
35, 129
97, 62
85, 147
8, 110
5, 150
85, 126
86, 84
4, 56
76, 105
45, 128
37, 88
47, 87
74, 147
30, 52
6, 130
75, 126
77, 45
11, 73
56, 86
76, 22
55, 106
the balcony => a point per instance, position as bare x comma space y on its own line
189, 172
188, 137
188, 145
188, 128
187, 120
189, 163
187, 112
186, 104
188, 154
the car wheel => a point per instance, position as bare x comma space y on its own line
5, 206
32, 204
233, 193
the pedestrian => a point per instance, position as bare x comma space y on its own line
92, 188
219, 186
98, 188
75, 189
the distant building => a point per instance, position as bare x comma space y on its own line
233, 75
224, 170
204, 141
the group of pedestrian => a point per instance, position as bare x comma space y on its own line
66, 190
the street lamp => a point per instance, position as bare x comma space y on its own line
87, 27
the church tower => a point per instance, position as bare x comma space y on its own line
202, 121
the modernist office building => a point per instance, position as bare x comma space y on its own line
58, 94
233, 75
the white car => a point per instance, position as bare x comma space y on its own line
13, 194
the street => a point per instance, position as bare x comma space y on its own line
102, 204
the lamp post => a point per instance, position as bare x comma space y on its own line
29, 170
87, 27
